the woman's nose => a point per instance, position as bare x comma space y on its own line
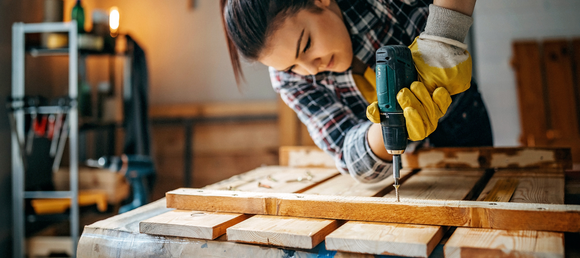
312, 66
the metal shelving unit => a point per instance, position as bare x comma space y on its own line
18, 166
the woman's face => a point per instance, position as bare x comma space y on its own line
309, 43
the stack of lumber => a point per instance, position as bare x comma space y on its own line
482, 202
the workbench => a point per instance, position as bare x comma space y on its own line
438, 174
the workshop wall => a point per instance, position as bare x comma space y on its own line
186, 51
497, 23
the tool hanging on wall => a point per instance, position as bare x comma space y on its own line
14, 105
57, 127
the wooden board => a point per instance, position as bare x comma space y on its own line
253, 108
489, 157
527, 65
549, 217
439, 184
194, 224
290, 231
562, 96
212, 225
466, 242
289, 180
534, 186
305, 156
385, 238
406, 239
345, 185
275, 179
303, 233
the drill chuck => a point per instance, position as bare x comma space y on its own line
394, 133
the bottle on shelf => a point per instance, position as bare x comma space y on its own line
78, 14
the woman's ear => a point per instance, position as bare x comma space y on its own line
322, 3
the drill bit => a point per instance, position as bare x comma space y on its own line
396, 174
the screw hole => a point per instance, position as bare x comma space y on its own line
493, 203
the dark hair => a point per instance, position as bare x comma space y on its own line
248, 23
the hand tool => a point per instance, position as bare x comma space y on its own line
61, 144
58, 126
394, 70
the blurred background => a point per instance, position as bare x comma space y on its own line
202, 128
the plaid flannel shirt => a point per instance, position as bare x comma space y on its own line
330, 104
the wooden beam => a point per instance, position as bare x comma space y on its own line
210, 110
489, 157
303, 233
194, 224
385, 238
549, 217
474, 243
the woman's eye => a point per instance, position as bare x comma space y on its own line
307, 45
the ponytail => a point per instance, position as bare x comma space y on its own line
233, 51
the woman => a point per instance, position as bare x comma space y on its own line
321, 55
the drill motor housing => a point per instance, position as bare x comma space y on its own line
394, 70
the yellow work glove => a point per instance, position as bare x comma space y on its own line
442, 62
421, 110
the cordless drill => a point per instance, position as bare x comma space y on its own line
395, 70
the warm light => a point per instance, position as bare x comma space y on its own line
114, 20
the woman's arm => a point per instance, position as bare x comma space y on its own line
462, 6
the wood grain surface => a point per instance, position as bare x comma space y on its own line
194, 224
385, 238
303, 233
534, 186
489, 157
469, 242
529, 216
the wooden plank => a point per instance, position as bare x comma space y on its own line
442, 184
289, 180
549, 217
305, 156
303, 233
194, 224
254, 108
406, 239
527, 65
212, 225
469, 242
489, 157
534, 186
559, 78
385, 238
345, 185
288, 125
290, 231
275, 177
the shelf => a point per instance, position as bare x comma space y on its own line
38, 52
35, 52
47, 194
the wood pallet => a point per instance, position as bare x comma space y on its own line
300, 207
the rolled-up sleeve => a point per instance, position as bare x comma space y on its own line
324, 103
